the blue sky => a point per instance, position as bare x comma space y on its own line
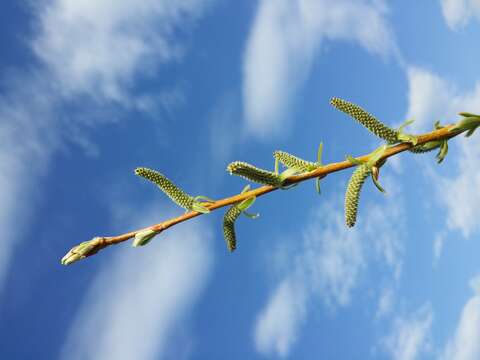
91, 90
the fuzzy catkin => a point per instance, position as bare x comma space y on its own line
177, 195
294, 162
352, 196
254, 174
366, 119
231, 215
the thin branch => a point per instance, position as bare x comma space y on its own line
99, 243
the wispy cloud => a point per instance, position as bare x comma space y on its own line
464, 344
385, 302
431, 98
25, 114
410, 336
224, 128
438, 244
278, 325
103, 45
329, 266
283, 42
458, 13
138, 300
88, 53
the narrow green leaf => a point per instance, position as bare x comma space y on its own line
319, 154
377, 185
470, 132
251, 216
405, 124
287, 173
467, 114
198, 207
353, 161
376, 155
317, 185
245, 204
443, 152
205, 198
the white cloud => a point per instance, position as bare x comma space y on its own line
432, 98
438, 243
332, 258
279, 322
103, 45
23, 115
475, 284
285, 37
459, 194
139, 299
330, 264
458, 13
87, 50
411, 335
385, 303
429, 98
464, 344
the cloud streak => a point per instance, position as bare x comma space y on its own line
137, 301
283, 42
431, 98
410, 335
328, 267
278, 325
103, 46
87, 53
458, 13
464, 344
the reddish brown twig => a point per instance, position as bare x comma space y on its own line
95, 245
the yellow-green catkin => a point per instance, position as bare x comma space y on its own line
177, 195
231, 215
252, 173
366, 119
352, 196
294, 162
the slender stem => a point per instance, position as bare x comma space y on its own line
440, 134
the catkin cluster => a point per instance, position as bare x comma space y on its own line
352, 196
252, 173
365, 168
177, 195
366, 119
294, 162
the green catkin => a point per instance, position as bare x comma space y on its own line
352, 196
229, 218
177, 195
366, 119
294, 162
254, 174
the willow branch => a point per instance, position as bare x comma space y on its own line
99, 243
